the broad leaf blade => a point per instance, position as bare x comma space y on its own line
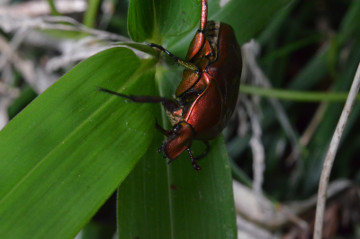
173, 18
70, 148
140, 20
246, 17
154, 20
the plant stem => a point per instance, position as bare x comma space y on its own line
304, 96
330, 156
90, 14
54, 11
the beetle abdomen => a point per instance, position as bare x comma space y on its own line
212, 36
226, 70
219, 62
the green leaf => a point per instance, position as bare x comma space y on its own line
143, 207
91, 12
158, 19
202, 202
64, 155
175, 201
247, 18
140, 20
350, 23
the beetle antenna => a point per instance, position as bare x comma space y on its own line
114, 93
169, 105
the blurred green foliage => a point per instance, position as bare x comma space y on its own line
311, 46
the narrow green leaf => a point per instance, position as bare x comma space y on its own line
350, 23
64, 155
175, 201
202, 204
91, 12
52, 6
143, 198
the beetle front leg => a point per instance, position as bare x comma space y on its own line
193, 160
168, 104
178, 60
207, 145
165, 132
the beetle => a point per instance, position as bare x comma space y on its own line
206, 96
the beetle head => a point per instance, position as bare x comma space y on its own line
179, 140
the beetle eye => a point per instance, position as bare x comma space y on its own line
210, 54
177, 128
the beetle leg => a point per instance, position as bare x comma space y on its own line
165, 132
205, 152
204, 11
186, 64
198, 41
168, 104
135, 98
193, 160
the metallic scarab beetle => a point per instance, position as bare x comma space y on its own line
207, 95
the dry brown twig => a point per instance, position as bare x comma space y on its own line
330, 156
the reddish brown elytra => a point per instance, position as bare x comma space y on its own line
207, 95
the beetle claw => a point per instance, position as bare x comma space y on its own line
196, 166
193, 160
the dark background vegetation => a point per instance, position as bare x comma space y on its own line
308, 46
